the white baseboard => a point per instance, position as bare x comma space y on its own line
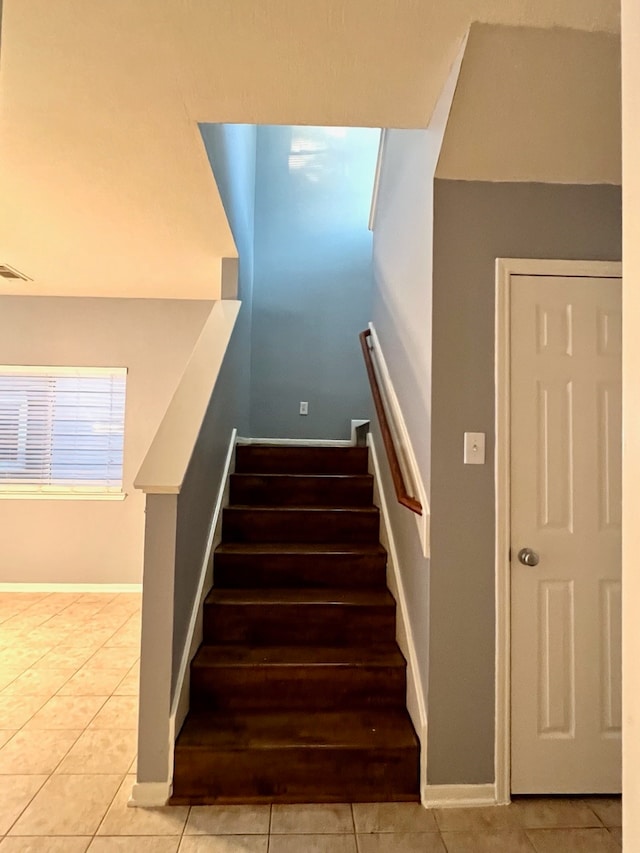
71, 587
193, 639
404, 635
150, 794
457, 796
298, 442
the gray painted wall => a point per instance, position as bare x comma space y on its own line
201, 485
474, 224
312, 280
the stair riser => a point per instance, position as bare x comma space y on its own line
297, 687
293, 571
301, 491
296, 775
255, 525
301, 460
299, 624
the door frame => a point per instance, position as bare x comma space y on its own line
505, 269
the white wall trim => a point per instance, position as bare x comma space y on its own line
406, 454
456, 796
298, 442
404, 635
149, 794
376, 180
505, 268
180, 706
71, 587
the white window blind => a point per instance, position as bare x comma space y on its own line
61, 428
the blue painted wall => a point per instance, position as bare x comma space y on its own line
312, 280
299, 218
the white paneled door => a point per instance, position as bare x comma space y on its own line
565, 514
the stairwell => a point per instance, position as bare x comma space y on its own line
298, 690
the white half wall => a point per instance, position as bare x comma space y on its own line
82, 541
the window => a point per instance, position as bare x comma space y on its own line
61, 431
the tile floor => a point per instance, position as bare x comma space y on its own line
68, 715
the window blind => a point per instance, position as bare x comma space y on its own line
61, 427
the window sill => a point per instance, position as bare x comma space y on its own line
62, 495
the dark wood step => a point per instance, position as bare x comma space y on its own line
298, 677
302, 489
295, 756
267, 617
294, 524
247, 565
274, 459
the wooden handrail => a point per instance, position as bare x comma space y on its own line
402, 494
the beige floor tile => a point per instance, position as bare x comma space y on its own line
573, 841
16, 710
134, 844
122, 820
483, 818
118, 712
102, 598
16, 792
20, 658
38, 682
114, 658
6, 735
9, 674
66, 712
100, 752
61, 844
68, 805
311, 844
393, 817
548, 812
65, 657
129, 686
609, 810
224, 844
92, 682
504, 840
401, 842
228, 820
316, 819
36, 751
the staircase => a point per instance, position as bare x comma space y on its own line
298, 690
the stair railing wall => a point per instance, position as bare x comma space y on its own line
181, 476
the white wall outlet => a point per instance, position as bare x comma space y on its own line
474, 448
304, 408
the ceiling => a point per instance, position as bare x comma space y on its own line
105, 187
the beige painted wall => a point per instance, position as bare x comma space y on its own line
536, 105
104, 184
631, 419
54, 541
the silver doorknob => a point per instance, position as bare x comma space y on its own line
528, 557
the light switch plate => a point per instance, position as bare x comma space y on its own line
474, 448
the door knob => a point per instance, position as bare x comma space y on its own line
528, 557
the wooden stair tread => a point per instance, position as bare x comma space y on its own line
387, 729
344, 597
306, 509
302, 548
311, 656
263, 459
